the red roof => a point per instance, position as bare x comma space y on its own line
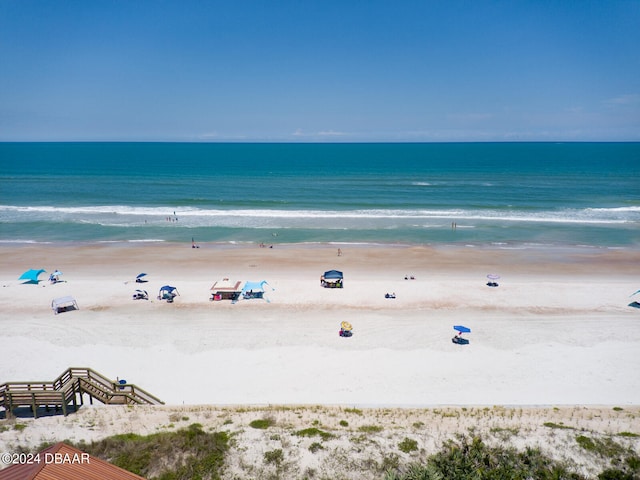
63, 462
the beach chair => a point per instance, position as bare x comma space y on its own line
141, 295
459, 340
167, 296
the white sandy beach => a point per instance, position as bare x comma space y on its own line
555, 342
556, 331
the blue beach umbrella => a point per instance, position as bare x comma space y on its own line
31, 276
461, 329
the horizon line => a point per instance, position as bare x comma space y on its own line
288, 142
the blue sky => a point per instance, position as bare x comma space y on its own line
313, 71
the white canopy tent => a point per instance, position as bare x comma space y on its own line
64, 304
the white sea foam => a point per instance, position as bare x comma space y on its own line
25, 241
128, 216
147, 240
615, 209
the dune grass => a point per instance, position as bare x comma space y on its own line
186, 454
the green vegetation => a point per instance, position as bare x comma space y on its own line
370, 429
19, 426
263, 423
274, 456
471, 459
357, 411
408, 445
189, 453
606, 448
376, 452
504, 433
315, 446
314, 432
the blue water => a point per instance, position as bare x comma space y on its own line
493, 193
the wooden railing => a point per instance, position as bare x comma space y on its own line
63, 390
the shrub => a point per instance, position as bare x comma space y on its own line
315, 446
313, 432
370, 429
408, 445
262, 423
274, 456
557, 425
353, 410
185, 454
605, 447
471, 458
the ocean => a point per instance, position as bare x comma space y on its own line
503, 194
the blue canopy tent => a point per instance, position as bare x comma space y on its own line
167, 293
333, 274
458, 338
254, 290
331, 279
31, 276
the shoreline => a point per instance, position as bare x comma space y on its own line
498, 246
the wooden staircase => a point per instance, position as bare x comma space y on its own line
70, 387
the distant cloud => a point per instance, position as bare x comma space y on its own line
322, 134
331, 133
623, 100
